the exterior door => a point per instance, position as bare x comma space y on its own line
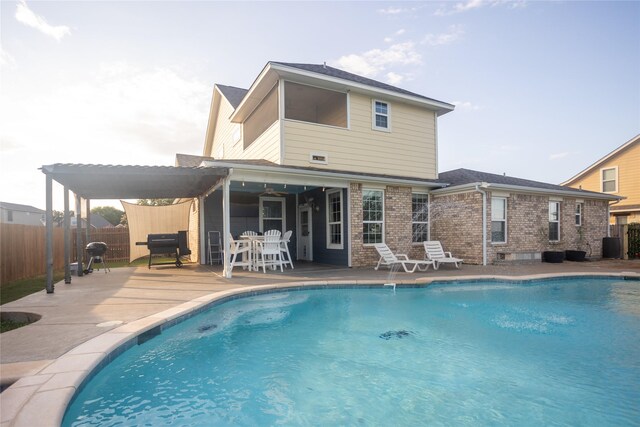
305, 237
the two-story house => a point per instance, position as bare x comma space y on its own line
13, 213
617, 173
345, 162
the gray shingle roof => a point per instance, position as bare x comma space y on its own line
468, 176
340, 74
20, 208
233, 94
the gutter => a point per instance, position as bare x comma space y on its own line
479, 185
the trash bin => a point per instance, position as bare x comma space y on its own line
611, 247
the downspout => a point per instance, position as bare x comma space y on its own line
484, 220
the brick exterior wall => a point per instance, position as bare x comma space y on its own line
456, 221
397, 225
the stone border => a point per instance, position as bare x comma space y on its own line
53, 387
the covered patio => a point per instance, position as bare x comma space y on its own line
95, 182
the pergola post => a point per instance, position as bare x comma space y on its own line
88, 214
204, 243
79, 247
49, 235
67, 238
226, 228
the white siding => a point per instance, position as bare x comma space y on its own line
408, 150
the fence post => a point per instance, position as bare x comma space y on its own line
625, 241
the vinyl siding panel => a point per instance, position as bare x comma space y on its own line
409, 149
223, 136
266, 146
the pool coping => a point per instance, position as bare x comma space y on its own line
50, 390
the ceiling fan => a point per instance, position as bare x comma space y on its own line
268, 191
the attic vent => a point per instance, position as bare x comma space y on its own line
320, 158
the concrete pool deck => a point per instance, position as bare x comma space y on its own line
84, 321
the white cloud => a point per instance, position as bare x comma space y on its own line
30, 19
388, 39
400, 32
465, 105
376, 61
394, 78
120, 114
454, 33
477, 4
392, 10
558, 156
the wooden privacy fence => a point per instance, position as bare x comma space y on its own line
22, 249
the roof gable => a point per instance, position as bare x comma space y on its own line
614, 153
20, 208
233, 94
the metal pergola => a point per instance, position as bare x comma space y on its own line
117, 182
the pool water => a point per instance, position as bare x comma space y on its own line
563, 352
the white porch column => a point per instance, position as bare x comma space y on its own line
79, 247
226, 226
203, 231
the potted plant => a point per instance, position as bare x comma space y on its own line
577, 254
547, 255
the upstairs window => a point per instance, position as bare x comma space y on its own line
579, 213
315, 105
554, 221
381, 116
609, 180
498, 220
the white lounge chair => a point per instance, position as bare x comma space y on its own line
434, 252
389, 258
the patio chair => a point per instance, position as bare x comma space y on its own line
284, 249
240, 247
387, 257
434, 252
268, 250
249, 233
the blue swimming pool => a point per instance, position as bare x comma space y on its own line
555, 352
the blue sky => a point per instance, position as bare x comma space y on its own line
542, 89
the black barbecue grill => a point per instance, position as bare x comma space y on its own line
96, 251
167, 244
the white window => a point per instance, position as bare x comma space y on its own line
381, 116
272, 214
554, 221
579, 213
609, 180
334, 219
372, 216
498, 220
420, 217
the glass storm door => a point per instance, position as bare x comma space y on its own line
305, 239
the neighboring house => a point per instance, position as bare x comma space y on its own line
617, 173
13, 213
96, 221
345, 162
522, 217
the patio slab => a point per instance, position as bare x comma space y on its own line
128, 300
